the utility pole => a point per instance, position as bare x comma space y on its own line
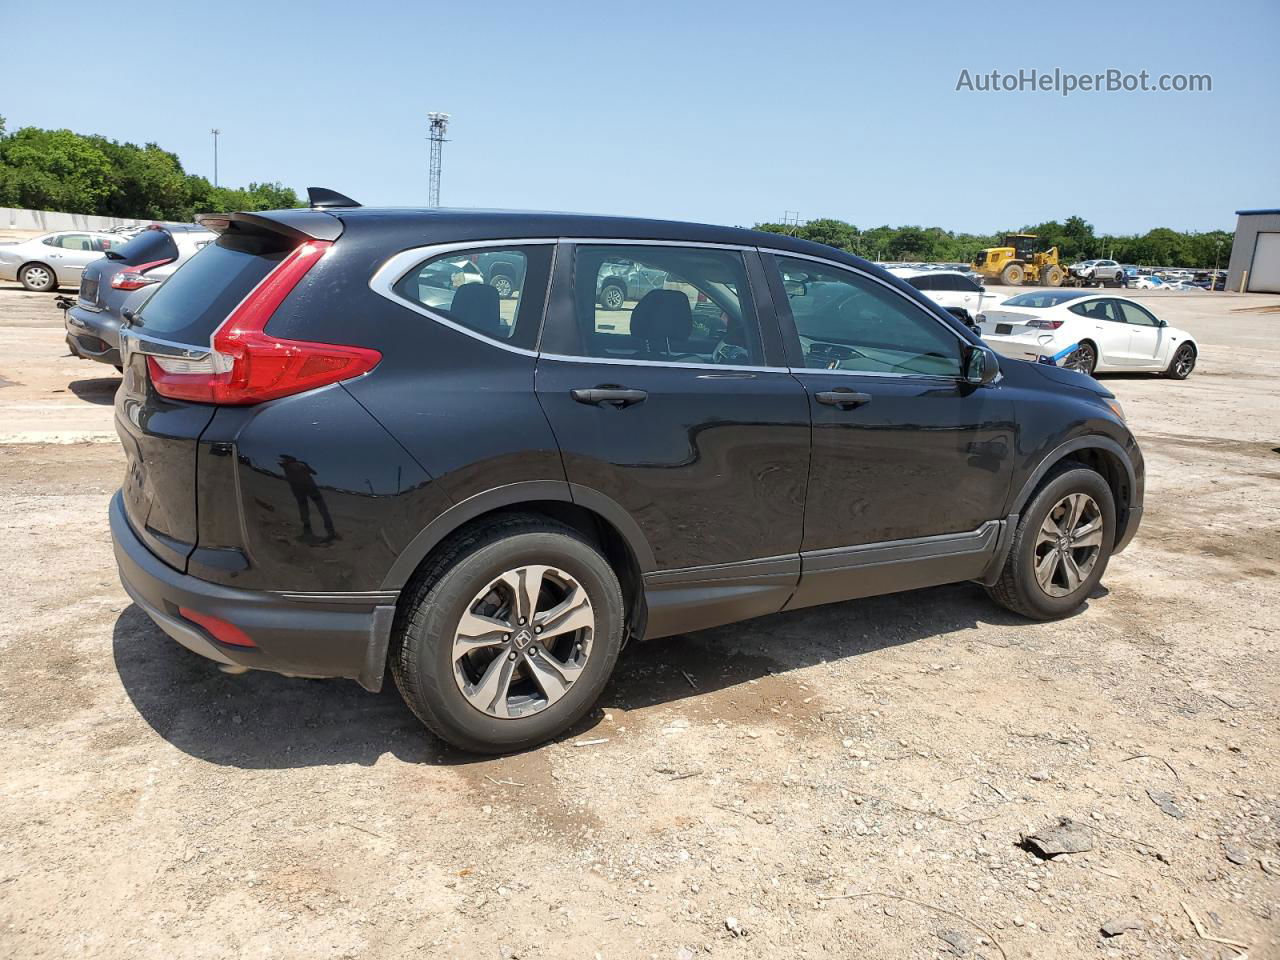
215, 131
439, 124
791, 221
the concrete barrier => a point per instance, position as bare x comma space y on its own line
15, 220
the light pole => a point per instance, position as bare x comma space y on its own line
215, 131
1217, 253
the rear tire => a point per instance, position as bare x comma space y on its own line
613, 296
1038, 545
503, 284
1085, 359
475, 576
1183, 362
38, 278
1012, 275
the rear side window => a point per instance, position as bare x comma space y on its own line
484, 290
147, 247
923, 283
189, 305
665, 304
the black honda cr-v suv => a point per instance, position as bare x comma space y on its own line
346, 450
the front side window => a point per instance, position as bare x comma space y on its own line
481, 290
850, 322
665, 304
1135, 315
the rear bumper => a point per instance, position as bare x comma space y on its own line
93, 336
310, 635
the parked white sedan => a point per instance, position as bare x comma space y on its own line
1088, 332
950, 289
44, 263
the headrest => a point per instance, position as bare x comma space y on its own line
475, 305
662, 315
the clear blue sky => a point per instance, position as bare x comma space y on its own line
728, 112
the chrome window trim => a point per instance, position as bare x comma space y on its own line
394, 269
630, 242
628, 362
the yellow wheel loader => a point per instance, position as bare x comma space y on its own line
1019, 262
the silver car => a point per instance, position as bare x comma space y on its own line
42, 264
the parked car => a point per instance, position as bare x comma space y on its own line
1109, 333
952, 289
42, 264
151, 255
502, 272
327, 474
1099, 272
620, 282
1144, 283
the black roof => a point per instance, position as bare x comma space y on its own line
445, 225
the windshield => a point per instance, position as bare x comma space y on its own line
1042, 300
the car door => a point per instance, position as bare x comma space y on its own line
1147, 341
911, 465
1107, 327
678, 409
71, 255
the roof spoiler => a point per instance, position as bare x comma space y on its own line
321, 198
299, 224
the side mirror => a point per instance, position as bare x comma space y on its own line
1160, 323
980, 365
795, 288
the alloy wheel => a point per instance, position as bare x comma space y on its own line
1185, 362
1082, 359
502, 284
613, 298
523, 641
1068, 544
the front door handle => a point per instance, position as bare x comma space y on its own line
843, 397
614, 396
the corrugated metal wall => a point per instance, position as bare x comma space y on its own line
1248, 226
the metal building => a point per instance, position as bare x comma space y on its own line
1255, 255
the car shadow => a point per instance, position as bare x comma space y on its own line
259, 720
99, 390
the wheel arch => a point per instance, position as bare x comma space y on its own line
1098, 452
595, 515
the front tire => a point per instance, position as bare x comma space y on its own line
1061, 547
38, 278
1012, 275
1183, 362
509, 635
1051, 276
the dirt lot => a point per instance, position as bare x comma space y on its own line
847, 781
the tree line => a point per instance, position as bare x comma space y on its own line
77, 173
1074, 238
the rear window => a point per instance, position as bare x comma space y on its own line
147, 247
190, 305
1044, 299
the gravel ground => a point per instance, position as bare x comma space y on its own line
854, 780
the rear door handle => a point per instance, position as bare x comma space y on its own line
843, 397
614, 396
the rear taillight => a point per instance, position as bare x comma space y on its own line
1045, 324
247, 365
135, 277
220, 630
